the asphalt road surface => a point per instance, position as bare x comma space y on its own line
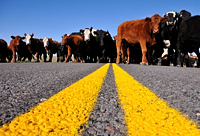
25, 85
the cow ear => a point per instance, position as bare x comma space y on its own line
24, 34
81, 31
23, 37
165, 19
91, 29
95, 32
148, 19
32, 35
12, 37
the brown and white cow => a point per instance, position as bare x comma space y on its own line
50, 47
15, 45
74, 44
35, 46
137, 31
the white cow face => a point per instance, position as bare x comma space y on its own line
93, 30
87, 34
46, 41
172, 17
28, 39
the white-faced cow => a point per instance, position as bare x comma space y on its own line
51, 47
35, 46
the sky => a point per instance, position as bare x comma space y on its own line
54, 18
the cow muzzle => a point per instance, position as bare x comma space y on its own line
155, 31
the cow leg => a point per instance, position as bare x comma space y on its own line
58, 56
50, 57
45, 56
69, 54
14, 56
118, 45
144, 52
198, 60
170, 56
19, 57
149, 54
37, 56
178, 53
75, 58
128, 55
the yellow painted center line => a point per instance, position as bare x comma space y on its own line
63, 114
146, 114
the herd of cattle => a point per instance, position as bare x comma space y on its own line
154, 40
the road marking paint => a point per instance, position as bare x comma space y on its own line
145, 113
65, 113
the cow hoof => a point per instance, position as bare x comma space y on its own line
143, 63
178, 66
171, 64
159, 64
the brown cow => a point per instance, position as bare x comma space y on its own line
15, 44
35, 46
137, 31
3, 50
74, 43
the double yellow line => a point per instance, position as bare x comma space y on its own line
67, 113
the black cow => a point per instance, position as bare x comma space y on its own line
106, 46
3, 50
188, 38
182, 16
62, 52
24, 53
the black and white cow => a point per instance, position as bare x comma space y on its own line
91, 44
188, 38
169, 33
90, 49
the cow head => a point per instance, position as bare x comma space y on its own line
17, 40
28, 38
86, 34
102, 36
183, 15
155, 22
46, 43
65, 40
172, 18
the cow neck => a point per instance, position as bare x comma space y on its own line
153, 38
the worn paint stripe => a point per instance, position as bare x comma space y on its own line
145, 113
64, 114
